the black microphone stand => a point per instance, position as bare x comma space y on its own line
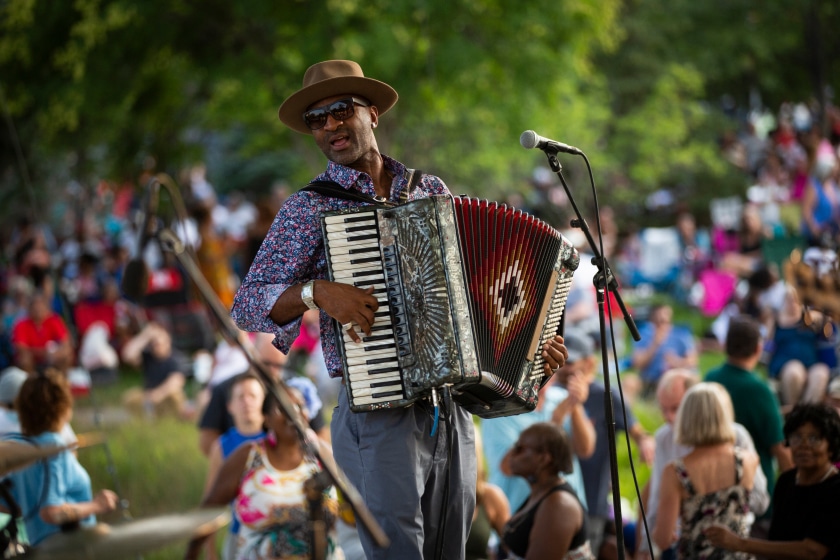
604, 282
170, 242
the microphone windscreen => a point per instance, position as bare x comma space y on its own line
135, 280
529, 139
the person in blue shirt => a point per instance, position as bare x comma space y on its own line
54, 494
663, 346
245, 405
562, 405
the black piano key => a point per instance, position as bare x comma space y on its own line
364, 273
380, 371
360, 228
366, 260
358, 250
378, 347
373, 338
374, 361
359, 218
360, 238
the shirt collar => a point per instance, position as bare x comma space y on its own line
348, 177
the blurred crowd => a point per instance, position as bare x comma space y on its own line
770, 407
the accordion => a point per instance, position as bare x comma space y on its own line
469, 291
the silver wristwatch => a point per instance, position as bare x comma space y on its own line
307, 294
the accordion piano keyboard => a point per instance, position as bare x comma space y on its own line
373, 371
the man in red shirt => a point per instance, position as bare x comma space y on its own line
41, 339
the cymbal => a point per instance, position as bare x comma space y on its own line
14, 455
107, 542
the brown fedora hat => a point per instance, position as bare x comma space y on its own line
331, 78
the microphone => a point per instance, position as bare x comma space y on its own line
135, 280
530, 140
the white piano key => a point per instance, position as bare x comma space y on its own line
358, 379
343, 218
360, 350
376, 400
365, 392
363, 359
351, 226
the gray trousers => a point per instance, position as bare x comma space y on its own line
400, 470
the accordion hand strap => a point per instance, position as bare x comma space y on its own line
334, 190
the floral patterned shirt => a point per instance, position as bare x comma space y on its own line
293, 253
727, 506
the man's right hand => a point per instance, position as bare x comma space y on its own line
348, 305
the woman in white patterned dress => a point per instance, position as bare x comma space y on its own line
264, 481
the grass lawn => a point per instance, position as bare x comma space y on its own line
155, 465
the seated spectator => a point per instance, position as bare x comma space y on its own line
755, 405
794, 360
670, 392
109, 309
709, 485
552, 521
11, 380
582, 367
15, 302
245, 403
821, 202
57, 490
41, 339
696, 253
215, 420
764, 295
832, 396
750, 239
84, 283
163, 373
214, 255
663, 346
265, 481
227, 360
561, 405
97, 356
804, 523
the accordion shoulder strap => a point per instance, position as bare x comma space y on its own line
334, 190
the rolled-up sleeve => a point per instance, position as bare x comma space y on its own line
291, 253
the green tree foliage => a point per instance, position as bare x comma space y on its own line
97, 89
115, 82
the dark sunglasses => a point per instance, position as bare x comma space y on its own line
340, 110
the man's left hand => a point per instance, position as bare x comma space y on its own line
555, 354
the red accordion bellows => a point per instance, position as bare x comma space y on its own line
508, 256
